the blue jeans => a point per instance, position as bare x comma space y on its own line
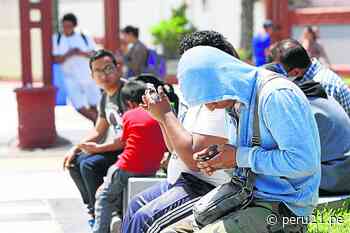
109, 198
158, 207
88, 172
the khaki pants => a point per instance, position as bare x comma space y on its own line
261, 217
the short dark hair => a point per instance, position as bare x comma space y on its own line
100, 54
131, 30
293, 55
207, 38
274, 54
70, 17
132, 91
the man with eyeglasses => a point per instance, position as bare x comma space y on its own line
89, 161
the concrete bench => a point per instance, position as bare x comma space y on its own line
332, 201
137, 185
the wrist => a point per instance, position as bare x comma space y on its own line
76, 149
164, 117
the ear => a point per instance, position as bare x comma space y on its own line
131, 105
296, 72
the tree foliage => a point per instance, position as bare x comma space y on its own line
168, 33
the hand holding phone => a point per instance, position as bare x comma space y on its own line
213, 150
153, 92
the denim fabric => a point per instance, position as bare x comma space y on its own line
109, 198
88, 172
151, 210
287, 163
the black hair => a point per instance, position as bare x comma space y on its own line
274, 53
293, 55
207, 38
168, 88
70, 17
131, 30
100, 54
132, 91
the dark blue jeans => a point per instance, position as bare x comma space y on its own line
88, 172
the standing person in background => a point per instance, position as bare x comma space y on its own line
135, 52
72, 50
261, 42
312, 46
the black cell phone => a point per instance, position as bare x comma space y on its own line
212, 151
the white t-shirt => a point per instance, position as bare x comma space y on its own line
76, 67
200, 120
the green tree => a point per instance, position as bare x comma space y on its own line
168, 33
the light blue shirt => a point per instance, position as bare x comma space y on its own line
287, 163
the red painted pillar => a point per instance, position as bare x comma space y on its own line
36, 105
277, 11
111, 14
26, 55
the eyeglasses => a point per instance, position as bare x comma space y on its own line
107, 70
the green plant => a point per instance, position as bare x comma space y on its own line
331, 220
244, 54
168, 33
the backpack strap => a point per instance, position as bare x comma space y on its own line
59, 36
83, 36
256, 139
84, 39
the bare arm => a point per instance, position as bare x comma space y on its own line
166, 139
98, 131
93, 136
71, 52
59, 59
184, 143
115, 145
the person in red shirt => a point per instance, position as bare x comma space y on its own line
143, 152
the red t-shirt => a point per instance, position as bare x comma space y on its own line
144, 144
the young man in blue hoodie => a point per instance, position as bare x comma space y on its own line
167, 202
286, 164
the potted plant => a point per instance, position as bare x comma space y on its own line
168, 33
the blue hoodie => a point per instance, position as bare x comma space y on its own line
287, 163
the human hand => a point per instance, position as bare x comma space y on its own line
73, 51
157, 104
68, 158
225, 159
90, 147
